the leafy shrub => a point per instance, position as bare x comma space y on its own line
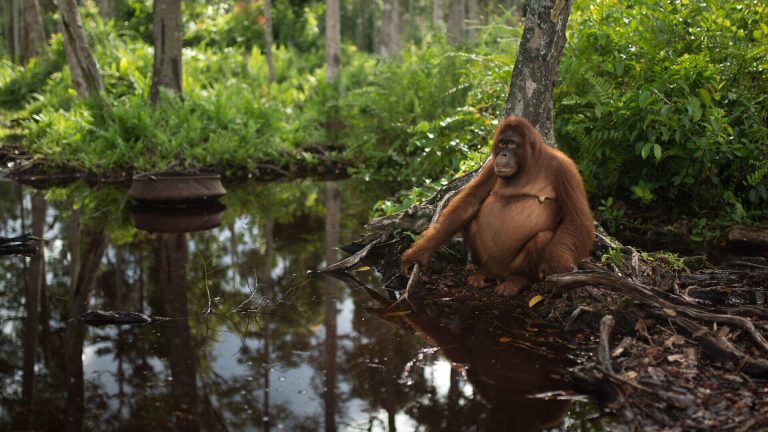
666, 102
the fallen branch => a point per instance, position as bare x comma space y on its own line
644, 294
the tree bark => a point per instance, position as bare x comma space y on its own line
472, 21
456, 17
268, 40
107, 9
361, 25
533, 78
33, 41
438, 16
390, 29
86, 78
332, 40
166, 33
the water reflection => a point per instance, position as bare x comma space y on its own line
242, 338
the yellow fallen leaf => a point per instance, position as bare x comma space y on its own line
670, 312
505, 339
532, 302
363, 268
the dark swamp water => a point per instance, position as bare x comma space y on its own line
244, 336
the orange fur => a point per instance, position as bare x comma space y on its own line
510, 232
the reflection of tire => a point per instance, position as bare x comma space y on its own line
26, 249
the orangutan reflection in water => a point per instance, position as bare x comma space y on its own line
503, 374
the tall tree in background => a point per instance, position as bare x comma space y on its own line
438, 16
106, 9
268, 39
472, 21
33, 41
166, 34
538, 58
332, 40
86, 78
456, 17
391, 42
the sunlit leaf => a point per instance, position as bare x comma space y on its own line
534, 300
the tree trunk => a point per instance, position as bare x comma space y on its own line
332, 40
533, 78
33, 41
86, 78
12, 14
361, 25
268, 40
166, 33
456, 22
472, 21
107, 9
390, 29
438, 16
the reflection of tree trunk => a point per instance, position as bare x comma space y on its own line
84, 72
391, 364
268, 40
456, 22
269, 293
166, 34
453, 391
74, 335
173, 284
34, 287
33, 40
332, 220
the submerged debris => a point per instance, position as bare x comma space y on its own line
100, 318
24, 245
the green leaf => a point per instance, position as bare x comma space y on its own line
646, 150
657, 151
705, 96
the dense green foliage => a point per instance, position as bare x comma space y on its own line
658, 102
665, 102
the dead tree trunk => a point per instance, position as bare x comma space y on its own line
86, 78
33, 40
166, 33
533, 78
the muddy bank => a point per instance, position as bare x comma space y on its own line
661, 342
